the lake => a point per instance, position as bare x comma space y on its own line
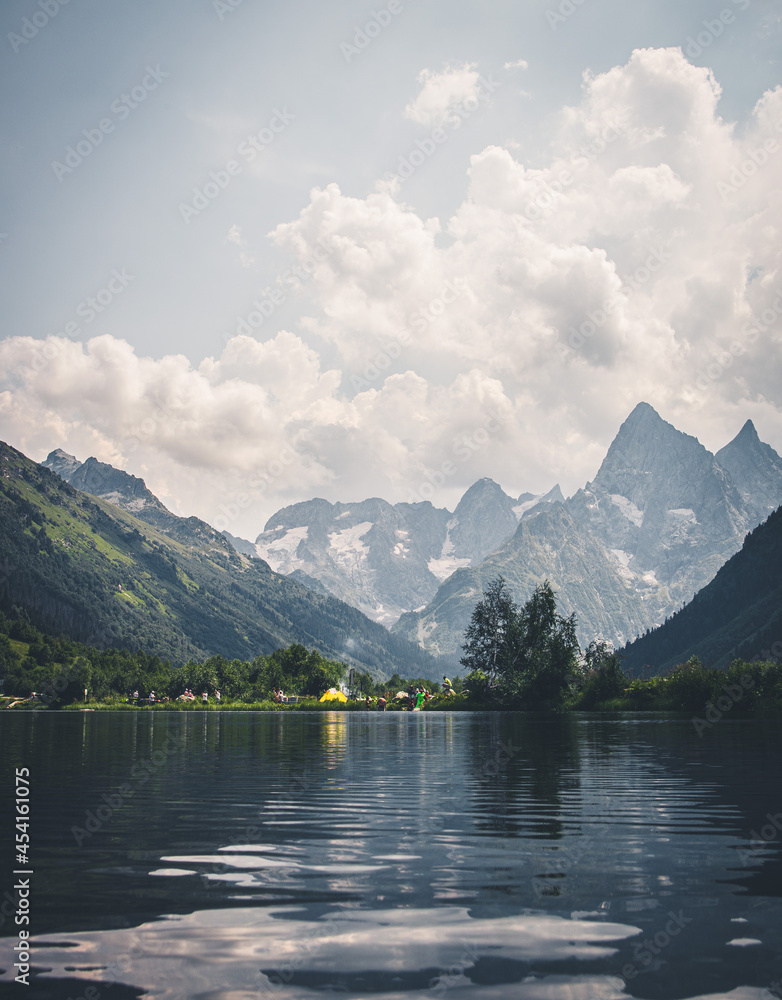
475, 856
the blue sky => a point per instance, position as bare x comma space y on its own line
561, 162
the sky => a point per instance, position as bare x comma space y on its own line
257, 253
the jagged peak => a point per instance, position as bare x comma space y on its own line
747, 437
554, 495
747, 450
645, 436
59, 454
483, 487
644, 415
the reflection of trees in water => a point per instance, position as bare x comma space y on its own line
520, 767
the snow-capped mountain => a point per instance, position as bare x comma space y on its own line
653, 527
665, 514
384, 559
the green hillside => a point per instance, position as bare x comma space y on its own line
738, 615
81, 567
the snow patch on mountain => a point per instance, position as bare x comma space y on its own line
280, 553
684, 514
621, 561
521, 509
628, 508
402, 547
347, 546
447, 562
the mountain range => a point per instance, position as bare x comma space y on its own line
388, 559
116, 568
625, 552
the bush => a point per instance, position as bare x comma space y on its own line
689, 686
605, 680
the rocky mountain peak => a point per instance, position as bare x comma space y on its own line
651, 462
481, 492
130, 493
483, 519
747, 443
61, 462
101, 479
755, 468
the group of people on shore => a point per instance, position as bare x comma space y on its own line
187, 695
417, 697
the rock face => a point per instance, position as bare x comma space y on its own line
62, 463
755, 468
384, 559
660, 518
550, 544
667, 514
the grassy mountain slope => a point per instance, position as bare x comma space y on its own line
85, 568
738, 614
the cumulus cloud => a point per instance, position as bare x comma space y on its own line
441, 92
641, 261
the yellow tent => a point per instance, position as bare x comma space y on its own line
333, 695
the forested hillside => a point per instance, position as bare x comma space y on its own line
739, 614
79, 566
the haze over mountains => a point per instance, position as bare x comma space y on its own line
652, 528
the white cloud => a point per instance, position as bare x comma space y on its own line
235, 236
443, 91
643, 260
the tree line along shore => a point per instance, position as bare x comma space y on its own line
515, 658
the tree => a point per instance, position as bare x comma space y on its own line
73, 680
363, 683
531, 653
546, 653
603, 675
490, 636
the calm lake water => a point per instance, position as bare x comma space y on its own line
403, 855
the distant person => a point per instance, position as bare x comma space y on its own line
152, 697
217, 695
204, 697
368, 702
381, 704
447, 686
